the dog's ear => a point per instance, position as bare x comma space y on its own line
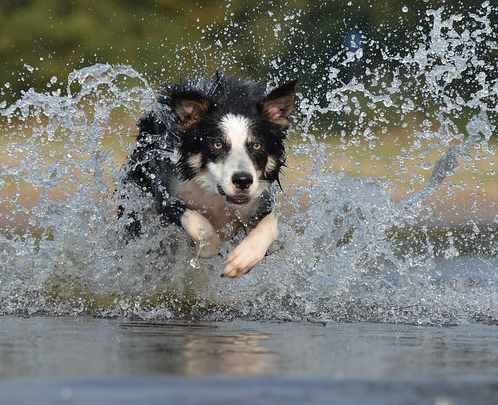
279, 104
190, 107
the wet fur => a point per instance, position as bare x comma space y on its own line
178, 162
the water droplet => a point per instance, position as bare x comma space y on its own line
388, 102
426, 166
404, 9
194, 263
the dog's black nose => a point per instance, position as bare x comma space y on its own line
242, 180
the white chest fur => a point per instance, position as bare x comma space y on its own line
225, 218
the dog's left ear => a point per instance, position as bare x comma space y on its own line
279, 104
190, 107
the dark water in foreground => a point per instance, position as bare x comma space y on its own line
86, 360
74, 347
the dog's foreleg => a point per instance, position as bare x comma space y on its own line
202, 232
253, 248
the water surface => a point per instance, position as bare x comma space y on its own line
78, 347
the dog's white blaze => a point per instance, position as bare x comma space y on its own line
237, 131
236, 128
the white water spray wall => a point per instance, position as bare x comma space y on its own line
61, 154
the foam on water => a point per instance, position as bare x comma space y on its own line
61, 251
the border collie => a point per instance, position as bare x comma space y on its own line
208, 157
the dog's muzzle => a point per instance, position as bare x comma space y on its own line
237, 199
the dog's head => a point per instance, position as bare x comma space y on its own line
231, 135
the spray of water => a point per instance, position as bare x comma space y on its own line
61, 249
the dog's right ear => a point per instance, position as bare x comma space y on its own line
190, 107
279, 104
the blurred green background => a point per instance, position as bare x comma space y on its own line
42, 41
53, 37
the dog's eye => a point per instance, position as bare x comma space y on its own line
256, 146
218, 145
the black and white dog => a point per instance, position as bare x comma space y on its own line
208, 156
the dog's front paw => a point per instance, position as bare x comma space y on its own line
202, 232
244, 257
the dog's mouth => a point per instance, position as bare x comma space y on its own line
237, 199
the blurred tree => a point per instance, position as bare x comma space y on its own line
170, 39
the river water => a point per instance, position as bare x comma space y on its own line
82, 360
83, 347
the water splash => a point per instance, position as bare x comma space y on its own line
61, 251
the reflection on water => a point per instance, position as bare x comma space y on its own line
196, 349
83, 347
